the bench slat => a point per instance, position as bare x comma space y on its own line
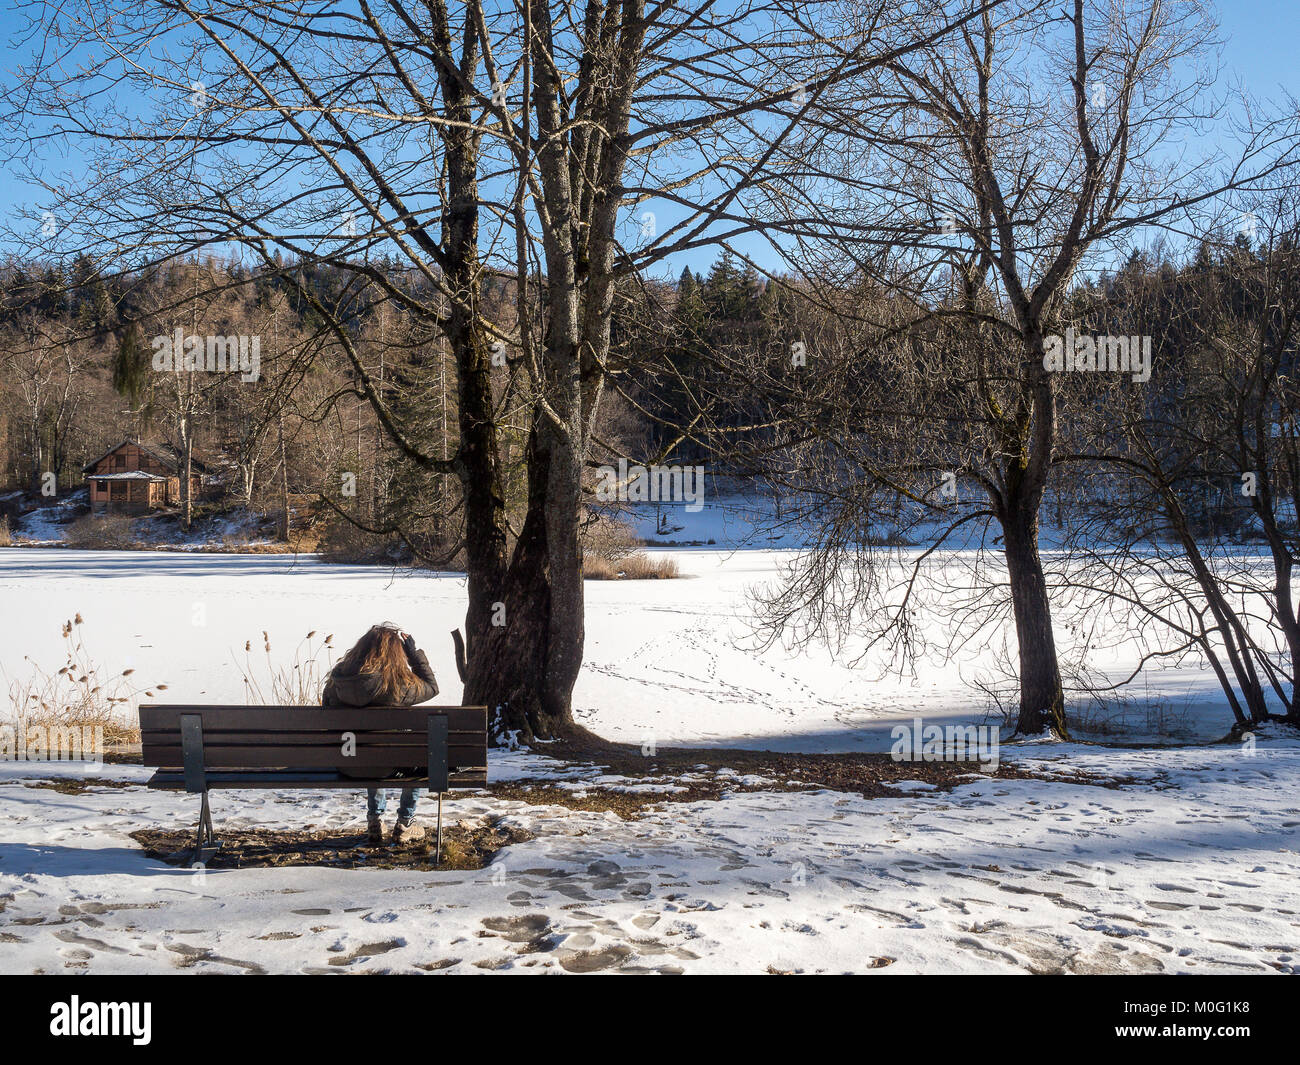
219, 755
301, 746
272, 718
174, 780
289, 738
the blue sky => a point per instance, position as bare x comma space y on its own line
1261, 39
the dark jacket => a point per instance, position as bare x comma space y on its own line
363, 689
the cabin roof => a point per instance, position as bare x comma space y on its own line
163, 454
130, 475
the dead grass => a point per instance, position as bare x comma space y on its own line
116, 732
81, 694
692, 775
6, 538
227, 547
635, 567
299, 683
307, 527
304, 541
611, 552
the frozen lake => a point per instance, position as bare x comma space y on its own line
673, 661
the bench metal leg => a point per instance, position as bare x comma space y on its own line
437, 854
205, 839
196, 780
437, 763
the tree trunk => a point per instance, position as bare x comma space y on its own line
489, 680
567, 625
1284, 607
1237, 644
284, 483
517, 638
37, 457
248, 475
187, 466
1042, 699
525, 654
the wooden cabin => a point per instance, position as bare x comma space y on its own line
134, 478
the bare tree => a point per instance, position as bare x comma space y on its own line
973, 181
472, 142
1207, 465
47, 362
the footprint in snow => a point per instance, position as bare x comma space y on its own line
590, 961
366, 950
520, 929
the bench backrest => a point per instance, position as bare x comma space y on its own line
313, 737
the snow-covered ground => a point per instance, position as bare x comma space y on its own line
51, 526
1189, 867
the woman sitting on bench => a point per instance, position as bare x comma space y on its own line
385, 668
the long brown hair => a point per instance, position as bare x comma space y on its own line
380, 652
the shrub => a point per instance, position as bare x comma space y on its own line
607, 539
112, 531
344, 542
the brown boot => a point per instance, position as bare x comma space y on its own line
374, 830
407, 832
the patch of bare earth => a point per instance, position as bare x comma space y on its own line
467, 845
78, 785
694, 774
627, 804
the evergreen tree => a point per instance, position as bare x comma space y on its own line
131, 364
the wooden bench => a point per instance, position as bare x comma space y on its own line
198, 748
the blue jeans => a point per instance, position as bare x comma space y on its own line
377, 803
